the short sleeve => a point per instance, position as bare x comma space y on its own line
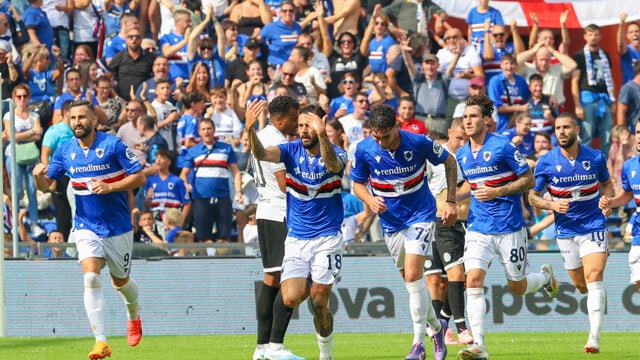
603, 175
285, 152
434, 151
232, 157
514, 159
56, 166
182, 192
49, 137
541, 175
359, 167
494, 91
126, 158
626, 185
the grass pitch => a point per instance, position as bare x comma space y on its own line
543, 346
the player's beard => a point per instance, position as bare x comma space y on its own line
314, 141
571, 139
86, 131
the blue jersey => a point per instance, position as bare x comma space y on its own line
538, 122
497, 163
216, 65
631, 183
341, 103
36, 19
398, 177
114, 46
212, 175
378, 53
178, 62
281, 40
168, 193
492, 67
476, 22
41, 85
112, 22
314, 203
518, 93
526, 147
108, 160
577, 180
68, 96
187, 129
626, 63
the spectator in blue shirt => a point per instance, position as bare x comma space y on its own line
377, 48
509, 92
281, 36
174, 46
38, 25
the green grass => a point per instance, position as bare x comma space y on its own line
543, 346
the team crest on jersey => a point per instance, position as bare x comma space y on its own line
559, 168
99, 153
437, 148
517, 155
526, 146
378, 159
486, 155
633, 174
398, 187
408, 155
586, 165
170, 186
73, 156
131, 156
321, 162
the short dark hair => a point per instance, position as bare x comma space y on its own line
302, 51
148, 121
313, 109
537, 77
206, 120
282, 104
508, 57
165, 153
544, 134
570, 116
382, 117
163, 80
66, 105
366, 124
361, 93
483, 102
126, 17
407, 98
438, 136
86, 103
191, 98
592, 28
417, 41
72, 70
335, 124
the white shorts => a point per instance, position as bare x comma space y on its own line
634, 263
574, 248
480, 249
115, 249
416, 239
320, 257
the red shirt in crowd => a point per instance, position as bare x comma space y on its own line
413, 126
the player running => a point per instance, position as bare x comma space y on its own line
313, 248
498, 174
573, 174
393, 161
102, 168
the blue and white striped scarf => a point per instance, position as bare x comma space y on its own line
606, 68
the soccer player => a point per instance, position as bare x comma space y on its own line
313, 249
573, 174
449, 240
630, 190
498, 174
393, 161
273, 315
102, 169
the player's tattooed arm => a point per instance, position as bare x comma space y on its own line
451, 173
523, 183
329, 156
538, 201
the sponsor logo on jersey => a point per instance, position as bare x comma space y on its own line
586, 164
633, 174
481, 169
378, 158
89, 167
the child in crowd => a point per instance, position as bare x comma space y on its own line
167, 113
227, 124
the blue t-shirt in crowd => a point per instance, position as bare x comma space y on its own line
35, 18
341, 103
626, 63
281, 39
476, 22
41, 85
178, 62
114, 46
68, 96
378, 53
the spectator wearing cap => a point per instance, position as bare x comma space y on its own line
118, 43
131, 66
287, 77
38, 25
495, 45
238, 68
461, 63
174, 46
281, 36
430, 89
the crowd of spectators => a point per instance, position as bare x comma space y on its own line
173, 78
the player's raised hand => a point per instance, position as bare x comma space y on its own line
623, 17
253, 112
560, 206
563, 17
377, 204
100, 187
315, 122
449, 213
40, 170
534, 18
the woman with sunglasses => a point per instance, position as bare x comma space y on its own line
204, 51
40, 80
27, 129
347, 59
377, 48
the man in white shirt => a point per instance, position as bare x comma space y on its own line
352, 123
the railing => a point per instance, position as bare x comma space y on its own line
35, 251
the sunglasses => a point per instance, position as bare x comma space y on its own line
287, 11
351, 82
203, 48
381, 23
134, 36
288, 74
22, 96
499, 34
346, 42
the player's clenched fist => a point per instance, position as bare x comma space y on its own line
603, 204
561, 206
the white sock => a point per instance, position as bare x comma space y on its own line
476, 311
129, 293
326, 345
535, 281
596, 305
421, 310
94, 304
